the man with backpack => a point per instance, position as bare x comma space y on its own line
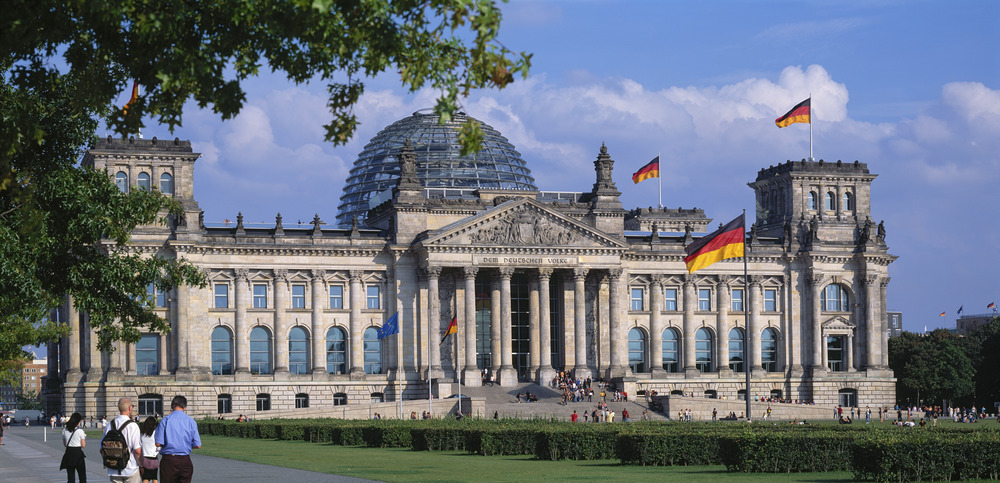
120, 446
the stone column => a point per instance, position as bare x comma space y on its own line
280, 323
73, 352
318, 334
508, 376
656, 305
471, 372
618, 337
818, 354
687, 347
849, 353
434, 316
534, 347
722, 323
182, 332
545, 370
580, 370
754, 329
883, 354
241, 336
495, 325
356, 364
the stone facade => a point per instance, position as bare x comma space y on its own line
536, 285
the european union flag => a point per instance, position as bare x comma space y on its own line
390, 327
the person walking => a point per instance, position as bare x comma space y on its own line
150, 464
129, 474
176, 436
74, 439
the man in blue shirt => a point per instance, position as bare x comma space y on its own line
176, 436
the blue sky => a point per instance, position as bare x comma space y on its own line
911, 88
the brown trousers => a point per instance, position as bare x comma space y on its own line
176, 468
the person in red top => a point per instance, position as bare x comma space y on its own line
573, 417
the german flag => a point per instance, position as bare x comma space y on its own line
650, 170
799, 113
726, 242
991, 305
135, 95
452, 329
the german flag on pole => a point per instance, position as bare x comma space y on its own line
452, 329
135, 95
650, 170
726, 242
799, 113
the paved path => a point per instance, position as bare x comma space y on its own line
27, 458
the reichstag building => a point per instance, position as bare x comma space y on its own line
537, 281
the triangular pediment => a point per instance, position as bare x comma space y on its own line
838, 323
522, 222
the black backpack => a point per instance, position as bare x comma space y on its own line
114, 448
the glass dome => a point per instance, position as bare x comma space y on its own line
440, 163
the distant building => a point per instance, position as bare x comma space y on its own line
894, 325
968, 324
32, 375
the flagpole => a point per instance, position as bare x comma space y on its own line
458, 359
430, 382
810, 128
746, 323
659, 180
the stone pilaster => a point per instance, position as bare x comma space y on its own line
687, 347
356, 347
754, 329
182, 335
434, 315
318, 335
534, 322
725, 301
495, 320
545, 370
815, 283
76, 329
656, 306
619, 353
280, 322
241, 336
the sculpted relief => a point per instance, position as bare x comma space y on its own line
524, 226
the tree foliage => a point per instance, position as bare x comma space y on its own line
938, 366
64, 229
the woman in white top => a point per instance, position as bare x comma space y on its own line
149, 465
74, 440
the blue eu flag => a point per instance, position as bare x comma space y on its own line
390, 327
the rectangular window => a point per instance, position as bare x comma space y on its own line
225, 403
260, 295
374, 297
636, 299
158, 295
770, 300
298, 296
336, 296
737, 305
147, 355
835, 353
704, 299
670, 299
222, 296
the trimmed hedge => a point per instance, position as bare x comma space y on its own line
669, 448
757, 451
581, 442
926, 455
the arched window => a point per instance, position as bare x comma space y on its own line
373, 351
143, 181
222, 351
812, 200
336, 353
670, 350
737, 349
834, 299
637, 350
831, 201
301, 400
769, 350
121, 181
848, 201
703, 350
260, 352
298, 351
166, 184
225, 403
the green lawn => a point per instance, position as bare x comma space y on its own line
396, 464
